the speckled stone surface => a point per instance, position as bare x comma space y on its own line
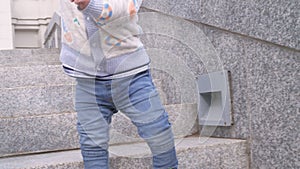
213, 154
23, 57
38, 133
231, 51
41, 88
36, 103
29, 53
265, 90
174, 44
55, 160
34, 95
265, 87
36, 100
273, 100
39, 75
265, 76
177, 58
193, 153
167, 88
274, 21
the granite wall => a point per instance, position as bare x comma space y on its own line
259, 43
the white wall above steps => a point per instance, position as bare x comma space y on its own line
22, 19
6, 35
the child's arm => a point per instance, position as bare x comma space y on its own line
94, 7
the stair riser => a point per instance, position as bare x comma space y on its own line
225, 157
222, 156
33, 101
10, 58
9, 61
35, 95
38, 134
27, 76
23, 135
225, 154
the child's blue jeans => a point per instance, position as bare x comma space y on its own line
97, 100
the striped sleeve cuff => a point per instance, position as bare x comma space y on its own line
94, 8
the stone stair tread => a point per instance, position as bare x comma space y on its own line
127, 152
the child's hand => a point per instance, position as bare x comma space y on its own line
81, 3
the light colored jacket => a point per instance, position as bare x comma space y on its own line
114, 48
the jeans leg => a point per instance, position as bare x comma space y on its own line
166, 159
94, 156
139, 100
94, 116
159, 137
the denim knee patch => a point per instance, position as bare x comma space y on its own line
154, 127
92, 136
162, 142
158, 134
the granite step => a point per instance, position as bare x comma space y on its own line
33, 75
35, 134
37, 108
31, 67
35, 100
26, 134
193, 153
33, 83
29, 57
36, 103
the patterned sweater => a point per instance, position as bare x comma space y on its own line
102, 40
